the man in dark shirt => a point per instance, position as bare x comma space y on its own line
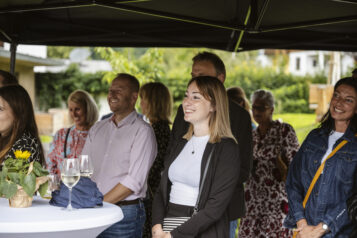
209, 64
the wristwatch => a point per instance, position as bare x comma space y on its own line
324, 227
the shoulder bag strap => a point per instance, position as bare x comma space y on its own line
318, 173
65, 143
195, 209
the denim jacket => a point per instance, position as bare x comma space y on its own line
327, 201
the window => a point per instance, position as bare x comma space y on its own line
314, 63
297, 63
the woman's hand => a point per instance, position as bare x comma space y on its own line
157, 232
306, 231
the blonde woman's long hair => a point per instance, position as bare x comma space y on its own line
159, 102
86, 101
213, 90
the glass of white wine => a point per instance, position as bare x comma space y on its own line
86, 166
70, 174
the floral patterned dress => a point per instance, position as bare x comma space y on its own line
265, 194
162, 134
75, 143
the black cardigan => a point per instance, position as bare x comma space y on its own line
241, 126
212, 220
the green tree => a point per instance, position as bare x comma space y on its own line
52, 89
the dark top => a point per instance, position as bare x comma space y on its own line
211, 221
241, 126
162, 134
29, 143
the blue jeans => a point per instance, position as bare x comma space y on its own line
131, 226
232, 228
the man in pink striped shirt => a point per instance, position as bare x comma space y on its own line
123, 148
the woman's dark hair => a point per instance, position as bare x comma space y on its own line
24, 117
327, 122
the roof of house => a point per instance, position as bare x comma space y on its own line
29, 60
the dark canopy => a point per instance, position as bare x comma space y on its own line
232, 25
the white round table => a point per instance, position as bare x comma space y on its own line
43, 220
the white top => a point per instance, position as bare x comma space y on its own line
185, 171
334, 136
41, 219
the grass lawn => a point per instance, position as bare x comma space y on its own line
302, 123
45, 139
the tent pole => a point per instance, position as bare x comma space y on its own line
13, 48
242, 32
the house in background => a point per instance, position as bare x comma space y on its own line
315, 62
27, 57
309, 62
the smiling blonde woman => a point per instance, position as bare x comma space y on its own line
184, 206
69, 142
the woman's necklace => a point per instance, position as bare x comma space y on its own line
193, 146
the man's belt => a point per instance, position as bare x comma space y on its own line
130, 202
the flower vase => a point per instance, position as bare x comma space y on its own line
21, 199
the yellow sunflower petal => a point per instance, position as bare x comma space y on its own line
22, 154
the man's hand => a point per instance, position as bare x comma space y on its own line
118, 193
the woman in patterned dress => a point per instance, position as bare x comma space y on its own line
265, 194
69, 142
156, 105
18, 129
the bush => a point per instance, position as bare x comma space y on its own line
52, 89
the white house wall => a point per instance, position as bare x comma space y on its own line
322, 62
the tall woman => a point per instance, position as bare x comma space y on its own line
265, 194
325, 214
18, 129
156, 105
69, 142
208, 143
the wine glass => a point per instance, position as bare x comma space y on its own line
53, 184
86, 166
70, 174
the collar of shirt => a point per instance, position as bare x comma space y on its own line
129, 119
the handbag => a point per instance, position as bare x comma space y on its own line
170, 223
317, 175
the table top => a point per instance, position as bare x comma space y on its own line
42, 217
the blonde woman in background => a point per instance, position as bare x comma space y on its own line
156, 105
237, 95
69, 142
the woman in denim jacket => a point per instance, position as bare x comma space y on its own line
325, 214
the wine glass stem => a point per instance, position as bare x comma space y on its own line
69, 207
